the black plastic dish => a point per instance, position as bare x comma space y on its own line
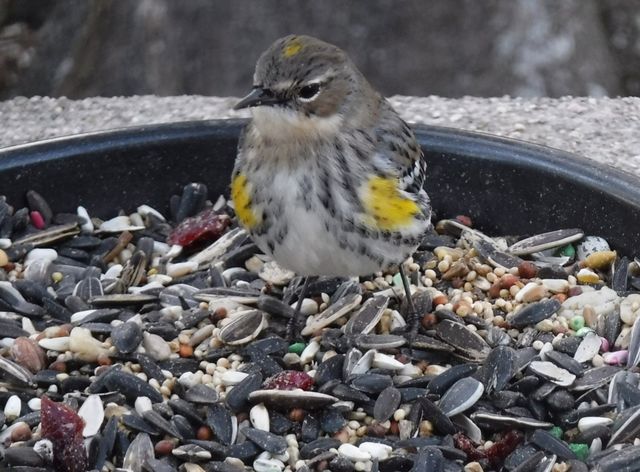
505, 186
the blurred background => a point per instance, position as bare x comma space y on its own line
452, 48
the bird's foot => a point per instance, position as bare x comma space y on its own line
293, 333
411, 330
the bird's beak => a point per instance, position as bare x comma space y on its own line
257, 97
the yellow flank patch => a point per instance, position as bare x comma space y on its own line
242, 201
387, 207
291, 49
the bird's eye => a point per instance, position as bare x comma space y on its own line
309, 91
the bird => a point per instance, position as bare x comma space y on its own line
328, 178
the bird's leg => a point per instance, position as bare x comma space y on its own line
413, 321
292, 325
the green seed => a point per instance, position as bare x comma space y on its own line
57, 277
567, 251
582, 332
297, 348
397, 280
577, 323
556, 431
581, 450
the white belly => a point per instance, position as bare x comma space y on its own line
308, 249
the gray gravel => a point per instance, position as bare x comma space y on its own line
606, 130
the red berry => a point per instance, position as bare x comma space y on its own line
63, 427
464, 219
37, 220
206, 226
289, 380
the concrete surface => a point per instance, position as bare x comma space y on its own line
606, 130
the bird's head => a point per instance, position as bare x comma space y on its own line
304, 86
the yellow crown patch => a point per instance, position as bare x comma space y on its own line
291, 49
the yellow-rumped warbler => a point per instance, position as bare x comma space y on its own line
328, 178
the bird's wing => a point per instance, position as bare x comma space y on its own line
392, 196
398, 152
242, 191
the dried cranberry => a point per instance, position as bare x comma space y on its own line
496, 454
465, 445
205, 226
63, 427
503, 447
289, 380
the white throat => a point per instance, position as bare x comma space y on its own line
278, 124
